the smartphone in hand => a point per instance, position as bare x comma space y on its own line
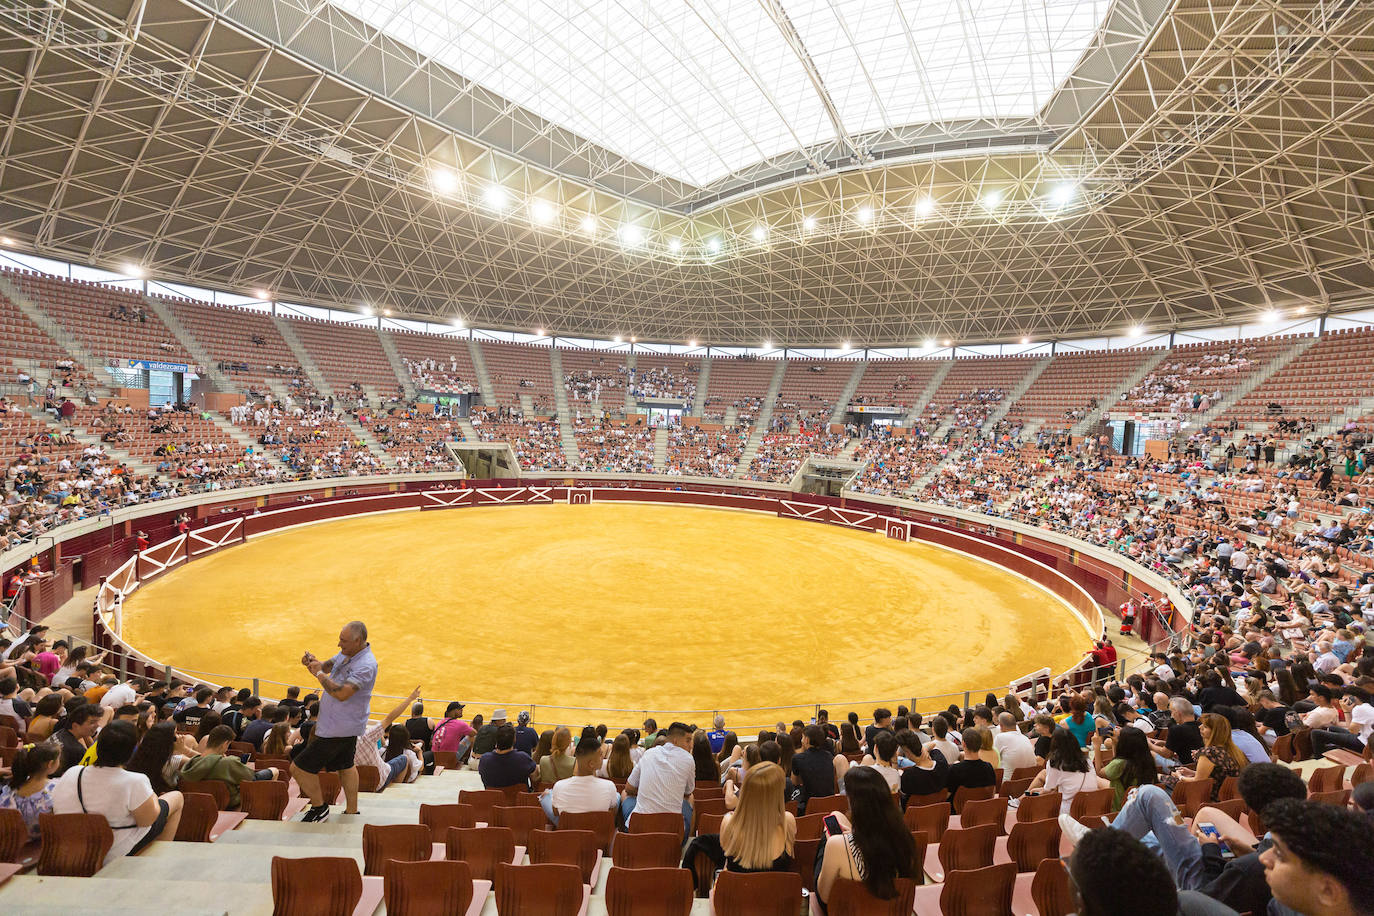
832, 825
1210, 832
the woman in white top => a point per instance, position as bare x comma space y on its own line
136, 815
1066, 770
885, 744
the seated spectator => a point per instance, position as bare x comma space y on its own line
484, 741
619, 764
47, 712
884, 759
137, 815
1066, 770
191, 715
217, 765
503, 765
1219, 758
525, 737
1013, 748
419, 727
663, 779
1131, 765
929, 771
451, 733
30, 786
970, 771
399, 744
1354, 733
1106, 861
874, 845
708, 768
365, 752
1321, 860
816, 770
939, 727
583, 791
77, 734
260, 722
557, 764
759, 834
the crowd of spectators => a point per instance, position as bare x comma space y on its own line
614, 446
536, 443
432, 374
1181, 386
664, 382
694, 451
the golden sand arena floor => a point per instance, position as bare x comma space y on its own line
633, 607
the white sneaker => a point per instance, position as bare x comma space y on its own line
1072, 829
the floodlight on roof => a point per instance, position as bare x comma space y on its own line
713, 245
631, 235
864, 215
809, 224
992, 200
759, 232
261, 295
617, 339
1270, 316
1137, 330
930, 343
844, 347
925, 206
133, 270
459, 324
1300, 310
588, 223
495, 196
444, 181
691, 343
6, 241
675, 245
367, 310
386, 312
538, 332
541, 211
768, 344
1063, 194
949, 343
1025, 341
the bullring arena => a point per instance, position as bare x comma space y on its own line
956, 417
690, 608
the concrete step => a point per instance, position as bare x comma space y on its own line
31, 895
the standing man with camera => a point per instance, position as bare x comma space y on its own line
346, 683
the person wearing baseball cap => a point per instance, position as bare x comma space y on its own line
526, 738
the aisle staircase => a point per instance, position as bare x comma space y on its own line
837, 415
53, 328
479, 363
218, 380
398, 363
1015, 393
560, 402
631, 405
761, 422
919, 405
660, 448
703, 379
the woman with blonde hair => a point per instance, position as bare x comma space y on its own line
619, 763
759, 834
558, 764
277, 743
988, 753
1219, 757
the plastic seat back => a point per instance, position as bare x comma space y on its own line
600, 823
565, 847
1015, 788
483, 801
1088, 808
930, 798
1031, 842
967, 848
979, 892
808, 827
1029, 772
438, 818
218, 791
647, 850
667, 822
931, 820
1039, 807
985, 811
329, 786
538, 890
708, 824
766, 893
14, 834
74, 845
825, 804
521, 820
198, 816
318, 886
1050, 888
426, 888
406, 842
263, 801
804, 854
965, 794
852, 898
481, 847
369, 780
649, 892
1190, 796
1326, 779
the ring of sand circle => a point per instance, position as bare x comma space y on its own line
610, 607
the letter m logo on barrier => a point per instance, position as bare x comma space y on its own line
579, 497
898, 530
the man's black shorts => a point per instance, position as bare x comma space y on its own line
327, 754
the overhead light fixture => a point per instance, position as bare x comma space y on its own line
760, 232
631, 235
864, 215
1063, 194
261, 295
495, 196
692, 343
809, 224
541, 211
949, 343
713, 245
134, 271
1137, 330
1025, 341
844, 347
588, 224
992, 199
617, 339
930, 343
925, 206
1271, 316
6, 241
634, 340
539, 332
444, 181
1301, 310
367, 310
768, 344
675, 245
459, 325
